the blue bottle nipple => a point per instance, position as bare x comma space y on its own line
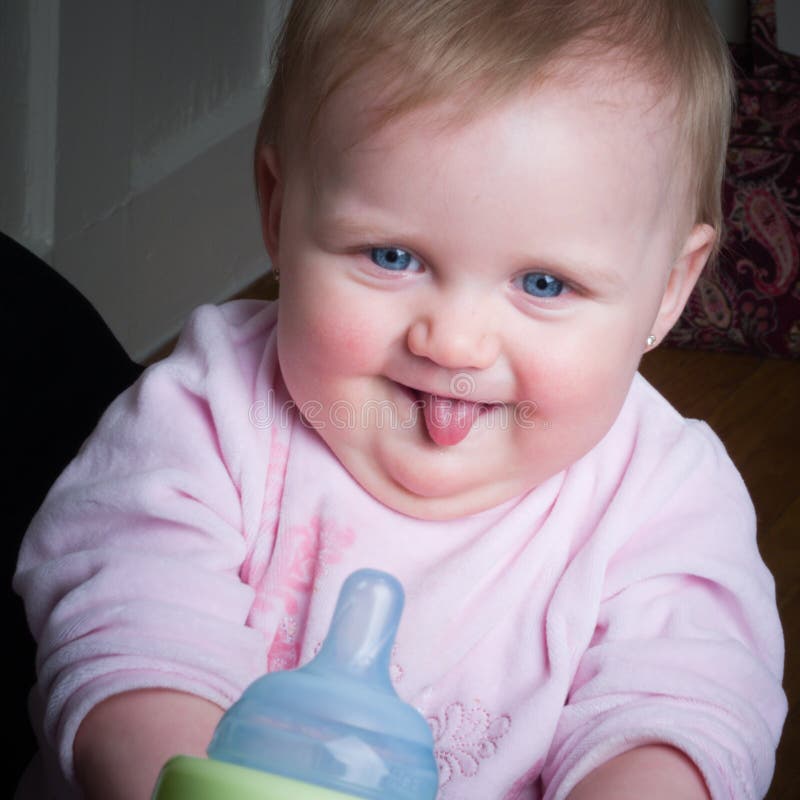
338, 722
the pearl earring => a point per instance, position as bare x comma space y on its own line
651, 340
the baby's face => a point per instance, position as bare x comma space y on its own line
463, 307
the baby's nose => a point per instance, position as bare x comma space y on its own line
455, 336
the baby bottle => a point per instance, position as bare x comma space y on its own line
331, 730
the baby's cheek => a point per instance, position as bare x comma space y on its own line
356, 340
564, 393
334, 342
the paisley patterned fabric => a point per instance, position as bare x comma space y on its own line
750, 300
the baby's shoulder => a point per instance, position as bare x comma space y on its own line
241, 324
654, 417
220, 341
667, 443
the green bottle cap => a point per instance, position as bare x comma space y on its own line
188, 778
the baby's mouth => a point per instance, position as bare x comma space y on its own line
448, 420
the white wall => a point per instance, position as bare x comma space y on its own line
788, 12
13, 65
28, 58
731, 15
127, 163
126, 139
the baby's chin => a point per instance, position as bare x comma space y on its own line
445, 507
430, 493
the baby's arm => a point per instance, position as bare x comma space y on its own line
685, 647
131, 571
654, 771
124, 741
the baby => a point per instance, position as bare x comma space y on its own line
482, 213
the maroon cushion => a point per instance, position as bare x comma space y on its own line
750, 300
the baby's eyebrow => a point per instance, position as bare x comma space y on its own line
351, 224
358, 231
580, 272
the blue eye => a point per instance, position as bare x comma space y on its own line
540, 284
393, 258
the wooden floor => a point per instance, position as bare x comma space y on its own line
754, 406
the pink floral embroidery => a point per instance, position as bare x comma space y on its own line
463, 737
396, 672
314, 548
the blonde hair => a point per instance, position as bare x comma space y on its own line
486, 50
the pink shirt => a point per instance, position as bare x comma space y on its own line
202, 534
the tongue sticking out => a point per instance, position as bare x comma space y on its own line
449, 420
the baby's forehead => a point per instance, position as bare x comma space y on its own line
359, 119
599, 140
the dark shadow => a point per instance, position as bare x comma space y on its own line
63, 366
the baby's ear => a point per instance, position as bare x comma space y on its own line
270, 197
683, 276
